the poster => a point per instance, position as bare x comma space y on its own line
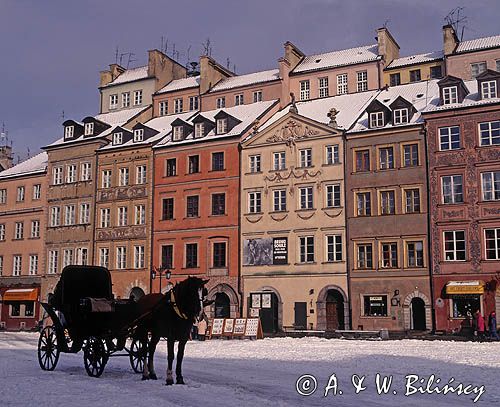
228, 326
252, 327
280, 250
254, 312
266, 300
239, 326
217, 326
255, 300
257, 252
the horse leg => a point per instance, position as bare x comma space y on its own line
178, 365
145, 370
155, 338
170, 360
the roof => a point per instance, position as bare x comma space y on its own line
33, 165
246, 80
179, 84
130, 75
343, 57
246, 114
416, 59
477, 44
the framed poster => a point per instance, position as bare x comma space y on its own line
257, 252
217, 326
239, 326
228, 326
266, 300
280, 250
254, 312
255, 300
252, 327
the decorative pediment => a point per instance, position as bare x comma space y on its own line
290, 132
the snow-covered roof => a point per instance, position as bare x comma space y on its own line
34, 165
419, 94
246, 114
131, 75
416, 59
477, 44
179, 84
338, 58
247, 79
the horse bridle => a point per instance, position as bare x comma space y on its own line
201, 294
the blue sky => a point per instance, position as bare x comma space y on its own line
51, 51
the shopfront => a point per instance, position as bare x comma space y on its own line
19, 308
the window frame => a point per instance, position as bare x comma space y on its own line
454, 250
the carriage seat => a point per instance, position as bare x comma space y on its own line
97, 305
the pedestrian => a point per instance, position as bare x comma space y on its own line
492, 325
202, 329
480, 325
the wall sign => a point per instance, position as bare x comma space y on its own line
280, 250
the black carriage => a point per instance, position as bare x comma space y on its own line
85, 316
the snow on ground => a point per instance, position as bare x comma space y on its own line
254, 373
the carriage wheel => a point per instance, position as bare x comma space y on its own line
95, 356
48, 352
136, 353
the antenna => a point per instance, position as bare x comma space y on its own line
207, 49
228, 63
386, 22
459, 23
188, 51
116, 55
62, 115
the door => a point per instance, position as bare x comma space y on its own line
418, 314
300, 315
334, 311
268, 312
222, 306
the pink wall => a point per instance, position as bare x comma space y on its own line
460, 65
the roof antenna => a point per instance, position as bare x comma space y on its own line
62, 115
207, 49
459, 23
386, 23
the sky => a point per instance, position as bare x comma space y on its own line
51, 51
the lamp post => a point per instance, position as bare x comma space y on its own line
159, 272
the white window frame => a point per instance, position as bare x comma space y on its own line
220, 102
84, 216
454, 251
323, 90
104, 257
488, 131
238, 99
178, 105
222, 125
141, 174
124, 177
279, 160
140, 214
335, 243
33, 265
21, 194
71, 174
199, 129
453, 183
305, 254
3, 196
125, 99
122, 216
279, 200
401, 116
35, 229
69, 215
57, 175
53, 262
362, 81
333, 196
105, 218
257, 96
306, 198
55, 216
255, 202
342, 85
68, 257
490, 188
194, 103
121, 257
17, 265
163, 108
113, 101
138, 135
497, 244
85, 172
2, 232
139, 262
332, 154
377, 120
445, 137
82, 256
137, 97
106, 178
450, 95
477, 68
178, 133
306, 158
305, 90
89, 129
254, 163
19, 231
117, 138
69, 132
489, 90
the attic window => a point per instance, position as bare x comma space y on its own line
117, 138
138, 135
89, 129
376, 120
222, 126
69, 131
450, 95
178, 133
199, 130
489, 89
400, 116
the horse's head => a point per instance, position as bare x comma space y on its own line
191, 294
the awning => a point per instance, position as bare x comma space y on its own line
21, 294
465, 287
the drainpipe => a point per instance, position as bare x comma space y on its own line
152, 217
347, 243
242, 299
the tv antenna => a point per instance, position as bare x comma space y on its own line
207, 47
457, 21
62, 115
3, 135
164, 45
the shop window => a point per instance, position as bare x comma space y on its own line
375, 305
464, 306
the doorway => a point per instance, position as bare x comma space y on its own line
300, 315
417, 314
222, 306
334, 311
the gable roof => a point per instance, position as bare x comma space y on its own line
416, 59
179, 84
130, 75
34, 165
478, 44
246, 80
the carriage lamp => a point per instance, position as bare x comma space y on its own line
161, 271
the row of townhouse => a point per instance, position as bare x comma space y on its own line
301, 192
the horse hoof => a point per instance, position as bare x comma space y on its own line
180, 380
145, 378
153, 377
169, 382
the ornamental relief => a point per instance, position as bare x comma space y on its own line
136, 232
452, 214
491, 211
293, 175
131, 192
291, 132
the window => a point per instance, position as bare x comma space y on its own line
69, 131
199, 130
220, 102
463, 306
17, 265
498, 65
85, 172
19, 230
193, 103
219, 259
279, 160
105, 217
323, 87
2, 232
167, 256
410, 155
279, 200
449, 138
191, 255
306, 244
363, 200
121, 257
89, 129
362, 160
163, 108
106, 178
20, 194
178, 106
389, 255
477, 68
168, 209
415, 75
218, 161
415, 253
412, 200
69, 215
138, 257
122, 216
452, 189
490, 182
171, 167
218, 204
192, 206
400, 116
395, 79
436, 72
333, 196
84, 213
57, 175
255, 163
342, 84
222, 126
138, 97
126, 99
334, 248
113, 101
492, 240
1, 265
364, 256
332, 154
178, 133
53, 265
140, 174
117, 138
304, 90
82, 256
67, 257
238, 99
15, 309
3, 196
306, 158
193, 164
257, 96
254, 202
124, 177
306, 198
55, 216
490, 133
387, 203
362, 81
386, 158
450, 95
35, 229
140, 214
138, 135
489, 89
71, 174
376, 119
104, 257
454, 245
375, 305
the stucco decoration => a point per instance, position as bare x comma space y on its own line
122, 233
332, 114
290, 133
293, 106
292, 175
122, 193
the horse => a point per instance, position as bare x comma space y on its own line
170, 316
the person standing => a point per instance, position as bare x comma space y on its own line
480, 325
492, 325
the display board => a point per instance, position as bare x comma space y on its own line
239, 326
217, 326
228, 326
234, 328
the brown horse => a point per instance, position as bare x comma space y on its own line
171, 316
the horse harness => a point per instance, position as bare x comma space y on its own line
172, 302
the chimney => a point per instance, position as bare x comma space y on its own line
109, 76
210, 73
388, 48
287, 63
6, 157
450, 40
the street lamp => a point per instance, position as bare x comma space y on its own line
160, 271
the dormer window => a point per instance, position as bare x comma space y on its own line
138, 135
400, 116
488, 90
450, 95
376, 120
89, 129
222, 125
69, 131
117, 138
199, 130
178, 133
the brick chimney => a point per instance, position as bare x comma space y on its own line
450, 40
211, 72
109, 76
164, 68
388, 48
287, 63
